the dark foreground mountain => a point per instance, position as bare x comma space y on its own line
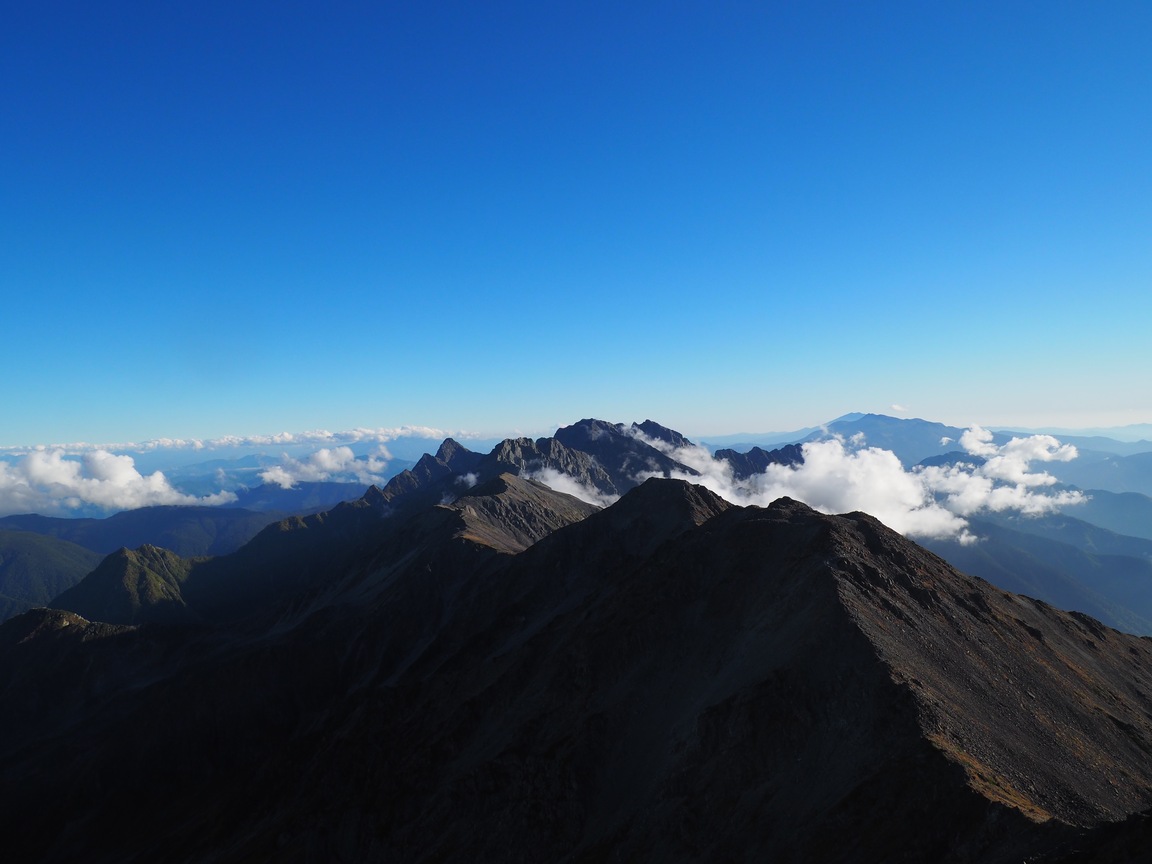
514, 676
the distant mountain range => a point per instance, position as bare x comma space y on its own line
1064, 561
599, 461
469, 665
1138, 433
1122, 440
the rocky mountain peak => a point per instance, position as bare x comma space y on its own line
457, 457
374, 497
654, 430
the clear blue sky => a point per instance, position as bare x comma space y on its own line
241, 218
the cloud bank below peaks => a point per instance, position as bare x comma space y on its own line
359, 435
841, 476
51, 482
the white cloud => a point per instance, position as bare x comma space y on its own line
281, 439
839, 476
569, 485
1005, 481
338, 463
50, 482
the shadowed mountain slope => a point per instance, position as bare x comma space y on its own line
293, 562
513, 677
35, 568
132, 586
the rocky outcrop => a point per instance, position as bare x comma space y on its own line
528, 457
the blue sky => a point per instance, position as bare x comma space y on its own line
244, 218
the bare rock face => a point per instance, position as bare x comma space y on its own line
1047, 711
509, 513
525, 456
621, 453
516, 676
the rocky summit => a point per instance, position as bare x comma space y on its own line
470, 666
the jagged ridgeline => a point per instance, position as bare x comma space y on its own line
468, 665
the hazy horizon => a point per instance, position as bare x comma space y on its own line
304, 439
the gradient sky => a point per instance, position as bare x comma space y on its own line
241, 218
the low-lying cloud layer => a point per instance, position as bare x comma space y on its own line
560, 482
51, 482
839, 476
281, 439
337, 464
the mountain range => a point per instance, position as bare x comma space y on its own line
597, 460
467, 664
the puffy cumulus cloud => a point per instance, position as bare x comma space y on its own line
1011, 462
569, 485
839, 476
1005, 479
338, 463
836, 477
51, 482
